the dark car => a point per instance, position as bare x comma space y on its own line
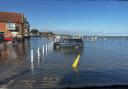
75, 43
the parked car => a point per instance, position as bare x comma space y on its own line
75, 43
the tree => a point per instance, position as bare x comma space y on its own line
34, 31
46, 34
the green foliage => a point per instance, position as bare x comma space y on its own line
34, 31
47, 34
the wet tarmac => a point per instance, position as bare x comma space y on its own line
34, 64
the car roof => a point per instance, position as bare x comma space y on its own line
72, 40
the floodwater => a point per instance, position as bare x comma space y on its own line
35, 64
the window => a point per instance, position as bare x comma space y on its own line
1, 17
11, 26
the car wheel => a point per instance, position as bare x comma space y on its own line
57, 46
76, 46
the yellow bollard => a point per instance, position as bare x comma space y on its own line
75, 64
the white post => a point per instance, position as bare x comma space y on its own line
46, 50
38, 52
43, 51
32, 66
31, 55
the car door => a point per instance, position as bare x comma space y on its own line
66, 42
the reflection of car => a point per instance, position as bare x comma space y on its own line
2, 46
75, 43
8, 39
2, 43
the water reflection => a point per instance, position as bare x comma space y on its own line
69, 51
18, 51
101, 62
13, 61
70, 54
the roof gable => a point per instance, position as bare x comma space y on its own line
11, 17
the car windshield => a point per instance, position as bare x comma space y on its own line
63, 44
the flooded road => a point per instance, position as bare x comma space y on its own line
35, 64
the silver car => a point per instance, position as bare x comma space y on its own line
75, 43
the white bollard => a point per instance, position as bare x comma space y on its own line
43, 51
32, 65
46, 50
31, 55
38, 52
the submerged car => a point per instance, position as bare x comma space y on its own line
75, 43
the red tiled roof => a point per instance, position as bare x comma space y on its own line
11, 17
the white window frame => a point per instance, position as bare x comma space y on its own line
10, 26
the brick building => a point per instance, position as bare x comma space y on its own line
14, 24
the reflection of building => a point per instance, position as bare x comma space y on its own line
14, 24
26, 28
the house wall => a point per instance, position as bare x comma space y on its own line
20, 32
7, 33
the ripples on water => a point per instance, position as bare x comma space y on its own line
102, 62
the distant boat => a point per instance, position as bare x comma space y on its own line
94, 38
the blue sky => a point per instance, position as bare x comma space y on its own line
73, 16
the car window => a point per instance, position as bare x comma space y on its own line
75, 40
66, 41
